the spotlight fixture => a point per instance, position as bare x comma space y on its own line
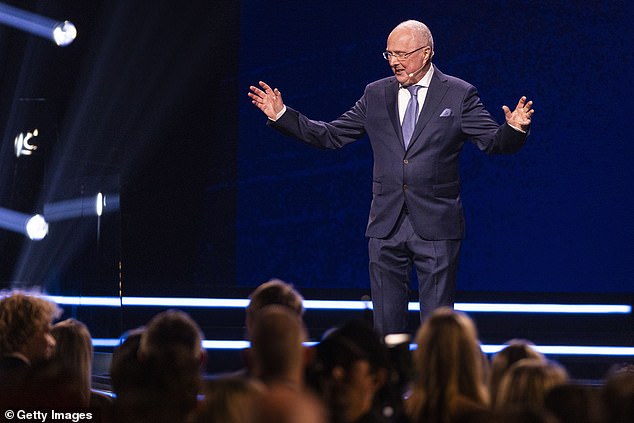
61, 33
23, 145
33, 226
95, 205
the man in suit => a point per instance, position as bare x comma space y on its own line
418, 121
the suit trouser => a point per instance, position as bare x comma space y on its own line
391, 260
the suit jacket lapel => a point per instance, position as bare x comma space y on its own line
391, 99
435, 93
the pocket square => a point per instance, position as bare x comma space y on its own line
445, 113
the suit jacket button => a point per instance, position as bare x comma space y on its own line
405, 186
405, 161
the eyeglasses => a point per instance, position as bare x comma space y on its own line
387, 55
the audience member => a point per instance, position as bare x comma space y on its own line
350, 367
283, 404
229, 400
448, 385
73, 352
25, 341
527, 382
516, 350
168, 380
126, 372
278, 353
273, 292
279, 361
65, 380
618, 395
575, 403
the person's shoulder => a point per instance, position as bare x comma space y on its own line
381, 83
451, 80
10, 363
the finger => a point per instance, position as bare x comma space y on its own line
528, 106
257, 92
521, 103
277, 95
507, 111
265, 86
255, 98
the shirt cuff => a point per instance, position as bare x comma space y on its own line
512, 126
279, 115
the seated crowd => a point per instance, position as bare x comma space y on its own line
351, 376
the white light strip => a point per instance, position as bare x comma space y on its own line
341, 305
590, 350
226, 345
185, 302
86, 301
541, 308
568, 350
106, 342
488, 349
337, 305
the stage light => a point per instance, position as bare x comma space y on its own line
23, 146
64, 33
99, 203
33, 226
95, 205
36, 227
61, 33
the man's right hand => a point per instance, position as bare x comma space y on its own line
267, 99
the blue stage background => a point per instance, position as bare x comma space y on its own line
555, 217
153, 95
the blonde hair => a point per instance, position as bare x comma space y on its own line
74, 353
22, 314
527, 382
516, 350
448, 363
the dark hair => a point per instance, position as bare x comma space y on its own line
352, 341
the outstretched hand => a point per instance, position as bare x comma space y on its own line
267, 99
521, 116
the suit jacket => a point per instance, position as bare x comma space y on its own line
425, 176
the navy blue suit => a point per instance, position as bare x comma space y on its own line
424, 180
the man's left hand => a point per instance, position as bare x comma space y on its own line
521, 116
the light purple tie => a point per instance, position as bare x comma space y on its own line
411, 114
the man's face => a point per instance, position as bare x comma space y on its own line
403, 40
40, 345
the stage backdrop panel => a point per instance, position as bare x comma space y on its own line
555, 217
